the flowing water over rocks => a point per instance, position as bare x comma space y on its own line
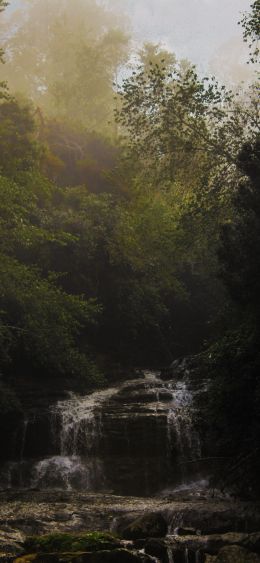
195, 526
101, 461
135, 438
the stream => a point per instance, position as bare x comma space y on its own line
137, 438
98, 462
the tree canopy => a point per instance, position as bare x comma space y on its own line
129, 210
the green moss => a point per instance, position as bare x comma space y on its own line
58, 543
26, 558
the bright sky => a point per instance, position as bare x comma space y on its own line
195, 29
204, 31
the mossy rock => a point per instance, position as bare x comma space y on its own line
104, 556
26, 558
66, 542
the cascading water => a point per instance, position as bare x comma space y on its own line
136, 438
76, 430
180, 423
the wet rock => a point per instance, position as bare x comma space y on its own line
165, 396
133, 452
252, 542
177, 369
28, 511
187, 532
165, 554
236, 554
184, 556
157, 548
10, 424
178, 556
215, 542
151, 525
136, 544
136, 396
11, 541
206, 544
217, 517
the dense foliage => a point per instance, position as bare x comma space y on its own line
231, 404
129, 215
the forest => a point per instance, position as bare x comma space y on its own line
129, 217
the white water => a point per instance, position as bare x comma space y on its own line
80, 421
180, 423
79, 430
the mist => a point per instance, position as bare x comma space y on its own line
129, 268
203, 31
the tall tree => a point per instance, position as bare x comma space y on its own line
3, 5
65, 57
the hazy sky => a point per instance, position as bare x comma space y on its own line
195, 29
204, 31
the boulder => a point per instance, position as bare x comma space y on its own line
236, 554
151, 525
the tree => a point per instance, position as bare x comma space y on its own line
44, 322
231, 406
74, 157
18, 146
165, 116
3, 5
251, 30
41, 326
154, 54
3, 88
182, 137
239, 250
65, 58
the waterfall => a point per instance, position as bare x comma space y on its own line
135, 438
180, 423
78, 422
76, 430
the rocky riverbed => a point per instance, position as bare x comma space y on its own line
127, 461
196, 528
